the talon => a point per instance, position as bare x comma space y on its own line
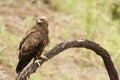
38, 62
44, 57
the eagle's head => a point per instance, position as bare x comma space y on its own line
42, 20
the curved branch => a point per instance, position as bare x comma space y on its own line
74, 44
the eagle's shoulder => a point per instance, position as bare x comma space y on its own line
29, 35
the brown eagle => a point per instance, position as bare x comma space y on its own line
33, 44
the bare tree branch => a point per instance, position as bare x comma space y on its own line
74, 44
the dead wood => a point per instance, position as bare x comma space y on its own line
74, 44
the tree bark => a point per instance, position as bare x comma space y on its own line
113, 75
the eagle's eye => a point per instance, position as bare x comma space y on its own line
42, 19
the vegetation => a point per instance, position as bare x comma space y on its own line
69, 19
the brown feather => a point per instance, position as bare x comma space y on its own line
32, 44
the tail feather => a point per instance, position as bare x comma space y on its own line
22, 64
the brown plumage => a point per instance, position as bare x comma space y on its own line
33, 44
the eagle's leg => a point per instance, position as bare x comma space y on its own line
44, 57
37, 59
38, 62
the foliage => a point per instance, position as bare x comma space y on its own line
73, 19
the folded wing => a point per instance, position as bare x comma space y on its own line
29, 47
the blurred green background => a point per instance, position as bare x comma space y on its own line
96, 20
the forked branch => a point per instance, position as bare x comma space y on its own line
74, 44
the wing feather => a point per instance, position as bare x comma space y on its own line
31, 44
28, 33
28, 49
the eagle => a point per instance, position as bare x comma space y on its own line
33, 43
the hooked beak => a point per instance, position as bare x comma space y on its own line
39, 21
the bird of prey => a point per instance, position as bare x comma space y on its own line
33, 44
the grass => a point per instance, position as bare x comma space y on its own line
97, 23
35, 77
74, 19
